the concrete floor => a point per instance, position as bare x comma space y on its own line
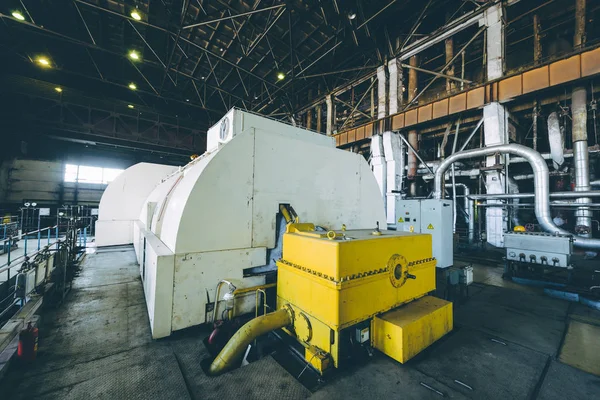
508, 342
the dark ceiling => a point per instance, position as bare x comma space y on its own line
197, 59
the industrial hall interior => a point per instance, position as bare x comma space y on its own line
292, 199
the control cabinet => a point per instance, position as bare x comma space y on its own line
432, 216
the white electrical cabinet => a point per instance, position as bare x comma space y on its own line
430, 216
408, 214
436, 219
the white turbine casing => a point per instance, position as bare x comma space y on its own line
122, 201
217, 216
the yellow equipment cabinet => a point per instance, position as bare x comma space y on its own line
335, 283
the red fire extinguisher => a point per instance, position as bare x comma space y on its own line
28, 343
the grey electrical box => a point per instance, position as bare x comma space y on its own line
408, 214
433, 217
539, 248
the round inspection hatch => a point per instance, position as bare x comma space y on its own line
398, 269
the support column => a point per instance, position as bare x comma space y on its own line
450, 84
396, 84
413, 136
330, 114
382, 111
319, 117
537, 41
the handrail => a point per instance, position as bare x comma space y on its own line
10, 240
6, 266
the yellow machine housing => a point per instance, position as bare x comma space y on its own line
338, 284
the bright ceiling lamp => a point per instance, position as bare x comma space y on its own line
58, 89
280, 76
130, 105
132, 86
43, 61
135, 14
134, 55
18, 15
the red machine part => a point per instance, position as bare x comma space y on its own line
28, 343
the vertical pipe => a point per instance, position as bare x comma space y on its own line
581, 162
319, 116
25, 246
39, 233
382, 96
330, 114
579, 38
535, 124
309, 112
56, 236
537, 43
48, 236
412, 78
85, 237
450, 71
413, 136
462, 71
372, 98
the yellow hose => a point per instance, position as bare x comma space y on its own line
233, 351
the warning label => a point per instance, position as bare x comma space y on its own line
400, 219
430, 226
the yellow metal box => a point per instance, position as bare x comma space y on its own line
344, 281
405, 331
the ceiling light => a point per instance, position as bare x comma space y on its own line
18, 15
130, 105
351, 15
132, 86
43, 61
58, 89
136, 15
134, 55
280, 76
187, 100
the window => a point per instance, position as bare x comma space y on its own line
83, 174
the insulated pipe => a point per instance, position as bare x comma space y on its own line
413, 136
581, 159
555, 195
541, 185
233, 351
469, 207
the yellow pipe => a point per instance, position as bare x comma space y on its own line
233, 351
253, 288
286, 213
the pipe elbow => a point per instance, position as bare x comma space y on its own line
234, 350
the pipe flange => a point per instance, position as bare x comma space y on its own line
398, 270
303, 328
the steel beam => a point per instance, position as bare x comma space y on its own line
234, 16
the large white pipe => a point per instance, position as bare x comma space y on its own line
541, 185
